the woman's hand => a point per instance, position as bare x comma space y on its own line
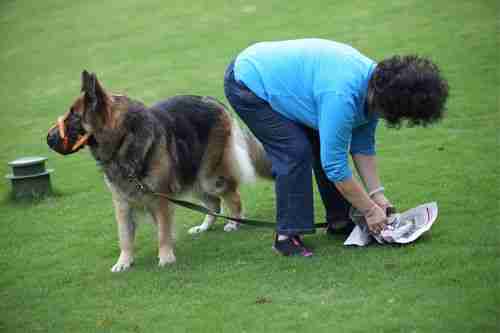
375, 218
381, 201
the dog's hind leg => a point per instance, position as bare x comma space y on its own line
212, 203
163, 216
232, 201
126, 234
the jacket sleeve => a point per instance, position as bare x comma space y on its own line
363, 138
335, 125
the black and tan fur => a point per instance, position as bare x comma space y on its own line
179, 145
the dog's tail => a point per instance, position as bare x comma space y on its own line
249, 154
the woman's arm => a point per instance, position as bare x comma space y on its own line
335, 119
352, 190
366, 165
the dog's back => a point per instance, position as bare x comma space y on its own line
187, 122
201, 126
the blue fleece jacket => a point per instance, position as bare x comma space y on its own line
321, 84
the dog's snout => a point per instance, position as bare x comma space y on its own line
55, 142
52, 140
69, 144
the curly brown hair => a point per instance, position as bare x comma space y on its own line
408, 88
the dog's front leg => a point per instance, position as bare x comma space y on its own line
126, 234
163, 216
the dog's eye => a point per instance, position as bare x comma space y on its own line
74, 112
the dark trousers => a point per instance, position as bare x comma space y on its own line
293, 150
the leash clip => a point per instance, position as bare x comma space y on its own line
138, 185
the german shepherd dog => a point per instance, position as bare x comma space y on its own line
184, 144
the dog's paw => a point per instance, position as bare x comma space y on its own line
197, 230
122, 265
231, 226
166, 259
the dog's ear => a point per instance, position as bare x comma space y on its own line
95, 96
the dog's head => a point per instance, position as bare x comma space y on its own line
89, 113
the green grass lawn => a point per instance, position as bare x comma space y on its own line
55, 254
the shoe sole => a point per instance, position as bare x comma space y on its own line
305, 253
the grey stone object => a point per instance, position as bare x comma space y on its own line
29, 177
